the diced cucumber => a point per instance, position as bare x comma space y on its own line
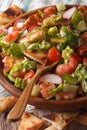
81, 26
60, 6
35, 90
70, 88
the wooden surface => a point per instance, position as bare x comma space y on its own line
6, 125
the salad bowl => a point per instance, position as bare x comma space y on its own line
43, 103
38, 101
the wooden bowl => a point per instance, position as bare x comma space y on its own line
43, 103
37, 101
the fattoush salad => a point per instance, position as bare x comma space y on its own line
56, 33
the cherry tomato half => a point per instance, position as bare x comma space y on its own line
29, 74
53, 54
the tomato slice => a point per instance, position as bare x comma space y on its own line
82, 50
34, 26
29, 74
53, 54
74, 60
69, 67
64, 69
11, 36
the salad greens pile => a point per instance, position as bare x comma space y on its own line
60, 37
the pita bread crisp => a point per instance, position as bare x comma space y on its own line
30, 122
40, 57
60, 120
12, 12
6, 102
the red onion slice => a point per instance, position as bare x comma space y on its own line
67, 14
52, 78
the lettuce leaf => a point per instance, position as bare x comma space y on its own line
15, 50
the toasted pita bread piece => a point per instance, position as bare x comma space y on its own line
39, 57
12, 12
33, 19
60, 120
30, 122
6, 102
51, 128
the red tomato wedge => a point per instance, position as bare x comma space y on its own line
53, 54
29, 74
11, 36
64, 69
82, 50
69, 67
74, 60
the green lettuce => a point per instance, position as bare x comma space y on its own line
81, 74
15, 50
66, 53
24, 66
76, 18
19, 83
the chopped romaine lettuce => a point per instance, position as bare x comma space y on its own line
52, 31
51, 21
64, 31
20, 83
71, 38
12, 79
70, 79
28, 65
84, 83
15, 50
34, 46
15, 68
23, 66
66, 53
39, 46
3, 47
76, 18
81, 73
44, 45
